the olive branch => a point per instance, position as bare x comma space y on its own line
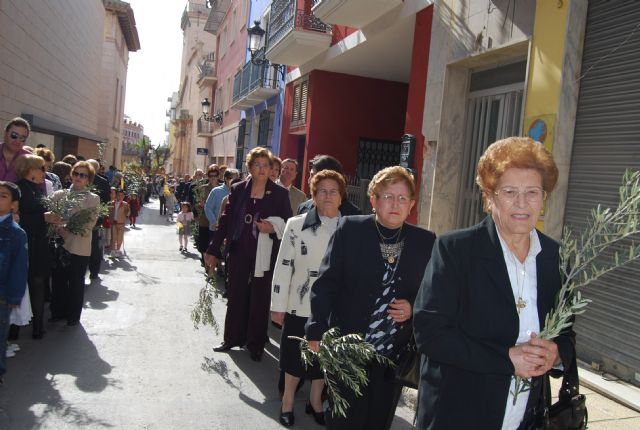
68, 207
586, 257
343, 360
202, 313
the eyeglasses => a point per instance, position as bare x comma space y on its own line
44, 169
531, 195
261, 166
15, 136
332, 192
390, 198
80, 175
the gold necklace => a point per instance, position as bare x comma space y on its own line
393, 236
390, 251
520, 303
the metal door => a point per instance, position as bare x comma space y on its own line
492, 114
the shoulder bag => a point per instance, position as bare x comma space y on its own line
407, 370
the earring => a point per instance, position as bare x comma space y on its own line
373, 210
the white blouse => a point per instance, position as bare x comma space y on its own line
523, 278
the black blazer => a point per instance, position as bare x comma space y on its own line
351, 274
32, 221
275, 203
465, 320
346, 208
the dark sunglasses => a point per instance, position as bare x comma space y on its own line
16, 136
44, 169
80, 175
213, 175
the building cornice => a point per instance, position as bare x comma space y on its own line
127, 22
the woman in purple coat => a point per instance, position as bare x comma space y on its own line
243, 221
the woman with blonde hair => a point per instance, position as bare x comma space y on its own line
34, 217
68, 281
367, 284
484, 297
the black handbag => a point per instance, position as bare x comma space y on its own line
61, 257
570, 411
407, 370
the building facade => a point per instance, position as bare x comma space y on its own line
258, 92
59, 92
355, 83
227, 20
132, 133
196, 80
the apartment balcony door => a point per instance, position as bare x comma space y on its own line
492, 114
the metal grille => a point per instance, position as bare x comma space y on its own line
374, 155
285, 17
606, 142
264, 128
491, 115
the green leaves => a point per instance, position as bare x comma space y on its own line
202, 314
344, 361
596, 251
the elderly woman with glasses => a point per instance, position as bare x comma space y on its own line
33, 219
68, 279
484, 297
367, 284
255, 209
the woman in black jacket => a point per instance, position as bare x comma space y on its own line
367, 284
33, 219
484, 297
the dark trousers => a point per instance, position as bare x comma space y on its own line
163, 205
95, 260
375, 409
37, 290
68, 289
248, 304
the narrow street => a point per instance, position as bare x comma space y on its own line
136, 361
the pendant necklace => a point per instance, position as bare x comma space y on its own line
520, 303
390, 251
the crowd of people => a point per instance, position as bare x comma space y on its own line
471, 300
43, 258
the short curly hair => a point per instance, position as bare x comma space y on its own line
258, 152
26, 162
514, 152
328, 174
389, 176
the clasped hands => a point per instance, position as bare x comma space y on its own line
399, 311
535, 357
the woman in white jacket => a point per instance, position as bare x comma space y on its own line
303, 246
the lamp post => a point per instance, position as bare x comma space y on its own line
256, 46
206, 105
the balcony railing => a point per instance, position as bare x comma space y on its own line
255, 83
285, 18
205, 128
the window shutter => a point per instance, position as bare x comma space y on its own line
303, 101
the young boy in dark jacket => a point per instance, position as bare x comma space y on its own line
14, 259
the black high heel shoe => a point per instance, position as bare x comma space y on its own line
286, 418
317, 416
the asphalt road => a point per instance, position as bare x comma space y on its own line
136, 361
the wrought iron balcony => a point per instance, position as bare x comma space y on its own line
352, 13
205, 128
254, 84
207, 71
294, 36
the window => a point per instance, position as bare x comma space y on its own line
299, 109
115, 103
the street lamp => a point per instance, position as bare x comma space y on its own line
256, 48
205, 112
